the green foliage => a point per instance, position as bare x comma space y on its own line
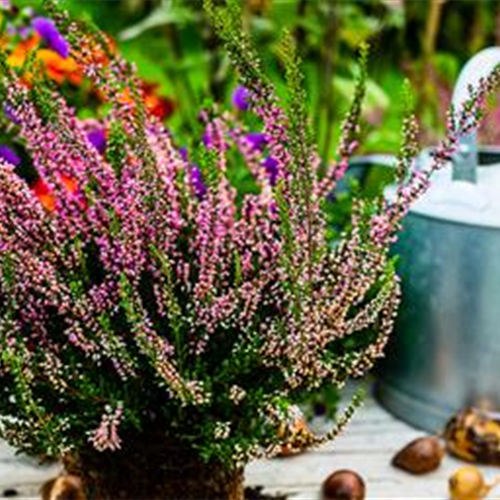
409, 146
116, 141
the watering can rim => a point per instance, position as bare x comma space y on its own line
468, 214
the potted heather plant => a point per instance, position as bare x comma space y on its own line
157, 324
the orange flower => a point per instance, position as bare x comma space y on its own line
69, 183
47, 198
62, 69
157, 105
44, 195
58, 68
20, 53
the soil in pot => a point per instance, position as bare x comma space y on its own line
153, 467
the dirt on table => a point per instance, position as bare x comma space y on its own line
257, 493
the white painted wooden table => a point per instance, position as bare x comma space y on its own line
367, 447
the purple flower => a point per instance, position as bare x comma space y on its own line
183, 152
196, 179
24, 32
97, 137
273, 208
271, 165
207, 139
95, 133
9, 155
240, 98
50, 34
257, 140
9, 113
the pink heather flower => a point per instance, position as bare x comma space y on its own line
116, 264
240, 98
381, 229
106, 437
47, 30
5, 5
353, 146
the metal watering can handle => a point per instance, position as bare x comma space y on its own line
480, 66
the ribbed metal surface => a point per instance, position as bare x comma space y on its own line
445, 352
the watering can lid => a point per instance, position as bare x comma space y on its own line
460, 201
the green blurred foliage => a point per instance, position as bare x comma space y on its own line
428, 41
173, 44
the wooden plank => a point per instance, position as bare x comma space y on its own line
367, 446
24, 490
305, 474
17, 473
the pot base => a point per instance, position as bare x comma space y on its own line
427, 416
152, 470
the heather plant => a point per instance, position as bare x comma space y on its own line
156, 318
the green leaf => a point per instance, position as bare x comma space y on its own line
168, 12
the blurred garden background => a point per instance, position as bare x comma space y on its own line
183, 64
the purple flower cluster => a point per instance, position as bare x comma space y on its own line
197, 181
9, 114
9, 155
241, 98
48, 31
257, 140
271, 165
96, 134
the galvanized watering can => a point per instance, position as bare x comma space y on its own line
445, 353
